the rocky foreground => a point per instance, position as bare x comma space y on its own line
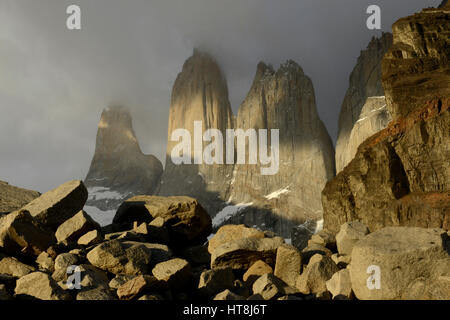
157, 249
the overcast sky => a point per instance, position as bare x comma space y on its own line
54, 82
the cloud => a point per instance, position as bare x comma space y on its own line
54, 83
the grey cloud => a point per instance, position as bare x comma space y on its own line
54, 82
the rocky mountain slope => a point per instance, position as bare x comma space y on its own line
13, 198
58, 252
365, 88
283, 99
400, 176
119, 169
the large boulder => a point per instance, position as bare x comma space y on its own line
288, 265
39, 285
138, 285
269, 287
90, 238
60, 204
188, 223
256, 270
340, 285
410, 263
75, 227
13, 267
319, 270
242, 253
117, 257
13, 198
350, 233
20, 233
214, 281
231, 232
175, 272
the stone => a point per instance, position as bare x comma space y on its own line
13, 267
125, 235
136, 286
200, 93
119, 280
340, 285
45, 262
242, 253
119, 169
90, 238
13, 198
73, 228
350, 233
399, 176
58, 205
95, 294
313, 279
413, 263
256, 270
214, 281
341, 260
313, 249
324, 238
188, 223
127, 257
365, 93
141, 229
288, 265
269, 286
62, 262
227, 295
229, 233
39, 285
175, 272
21, 234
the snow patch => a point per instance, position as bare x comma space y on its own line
319, 226
277, 193
101, 193
102, 217
228, 212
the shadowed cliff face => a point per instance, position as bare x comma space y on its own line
400, 176
119, 169
365, 83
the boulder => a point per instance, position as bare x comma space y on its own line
125, 235
157, 231
119, 280
242, 253
45, 262
288, 265
256, 270
20, 233
90, 238
187, 221
227, 295
325, 238
409, 262
341, 260
95, 294
72, 229
39, 285
127, 257
269, 286
340, 285
214, 281
62, 262
175, 272
230, 233
13, 267
313, 249
350, 233
319, 270
58, 205
134, 287
301, 234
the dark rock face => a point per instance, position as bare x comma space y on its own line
400, 176
200, 93
284, 100
365, 83
13, 198
119, 169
